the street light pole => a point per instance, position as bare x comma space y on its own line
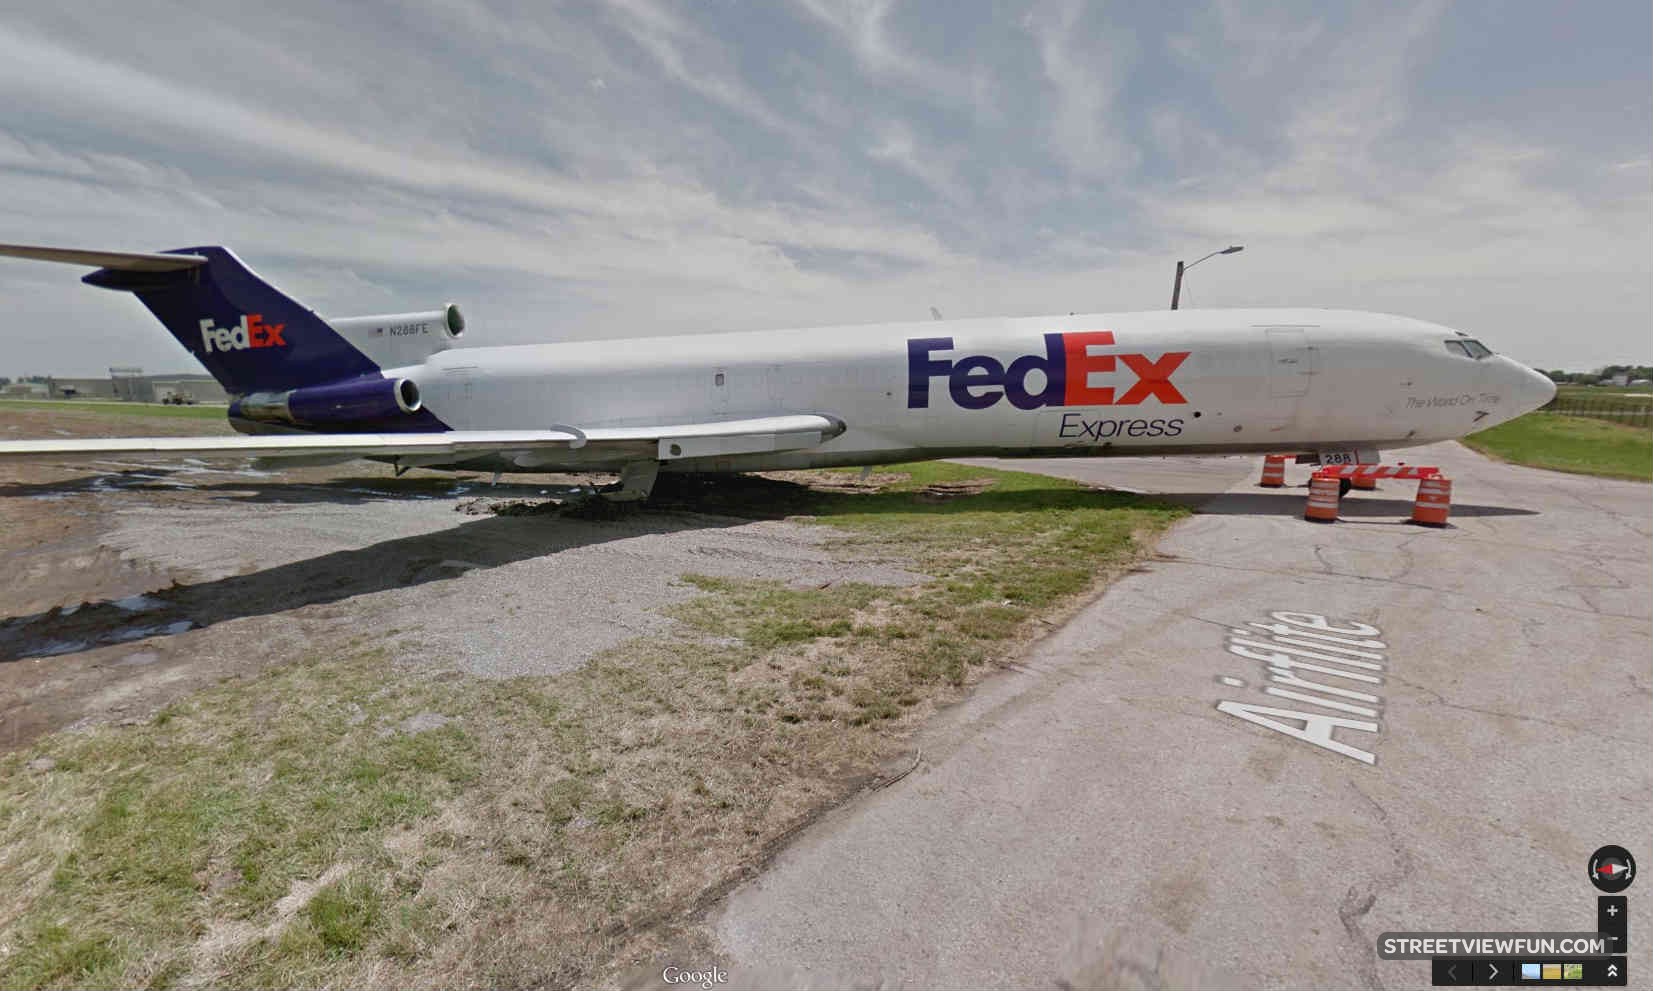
1176, 287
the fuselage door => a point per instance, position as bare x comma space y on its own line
1290, 364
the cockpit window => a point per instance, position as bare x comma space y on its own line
1477, 349
1457, 348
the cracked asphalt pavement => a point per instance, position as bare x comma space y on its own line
1130, 807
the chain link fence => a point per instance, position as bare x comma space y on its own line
1631, 409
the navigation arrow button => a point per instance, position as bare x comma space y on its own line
1451, 972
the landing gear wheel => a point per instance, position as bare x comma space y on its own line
1343, 487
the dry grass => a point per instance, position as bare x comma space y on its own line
352, 821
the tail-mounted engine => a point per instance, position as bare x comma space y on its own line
397, 339
356, 401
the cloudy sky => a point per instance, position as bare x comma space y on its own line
634, 167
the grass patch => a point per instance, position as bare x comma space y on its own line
341, 917
211, 812
287, 831
114, 408
1570, 443
766, 614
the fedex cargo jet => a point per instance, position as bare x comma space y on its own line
1337, 386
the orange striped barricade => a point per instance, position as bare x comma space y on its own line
1274, 471
1434, 501
1364, 481
1323, 494
1373, 472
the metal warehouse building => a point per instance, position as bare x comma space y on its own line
132, 385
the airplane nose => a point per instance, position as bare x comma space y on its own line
1531, 389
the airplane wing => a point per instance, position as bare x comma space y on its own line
558, 446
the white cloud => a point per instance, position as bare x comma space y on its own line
863, 26
936, 168
647, 167
668, 39
1085, 66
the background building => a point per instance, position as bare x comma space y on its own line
132, 385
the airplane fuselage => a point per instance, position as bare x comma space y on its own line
1339, 386
1153, 383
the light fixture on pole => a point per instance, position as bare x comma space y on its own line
1176, 287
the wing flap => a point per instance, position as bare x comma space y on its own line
723, 445
720, 428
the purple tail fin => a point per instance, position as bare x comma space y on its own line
248, 334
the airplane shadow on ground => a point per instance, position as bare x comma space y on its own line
403, 562
495, 540
1363, 507
263, 489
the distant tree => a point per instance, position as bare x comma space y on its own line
1602, 374
4, 381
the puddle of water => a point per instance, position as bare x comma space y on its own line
52, 648
136, 603
139, 632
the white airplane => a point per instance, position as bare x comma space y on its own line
1336, 386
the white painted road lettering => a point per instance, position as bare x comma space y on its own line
1288, 647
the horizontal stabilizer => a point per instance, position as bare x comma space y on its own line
528, 448
124, 261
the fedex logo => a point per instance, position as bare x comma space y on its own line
251, 332
978, 381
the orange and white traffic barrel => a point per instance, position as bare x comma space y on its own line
1323, 493
1434, 501
1274, 471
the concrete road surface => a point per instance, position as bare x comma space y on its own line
1131, 808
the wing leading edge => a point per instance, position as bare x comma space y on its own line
535, 449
